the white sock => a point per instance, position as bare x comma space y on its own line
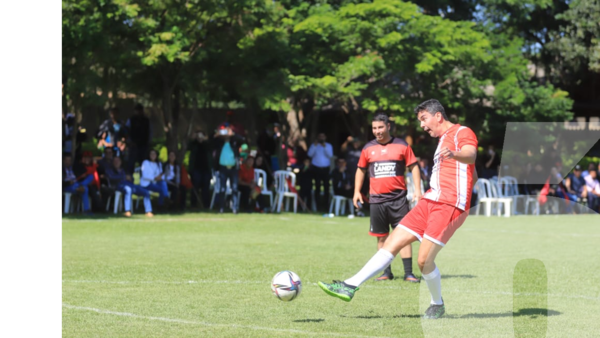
434, 283
380, 261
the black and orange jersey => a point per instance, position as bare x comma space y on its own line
386, 164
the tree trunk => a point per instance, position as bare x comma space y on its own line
190, 129
173, 142
64, 95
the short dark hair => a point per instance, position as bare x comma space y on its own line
138, 107
381, 117
431, 106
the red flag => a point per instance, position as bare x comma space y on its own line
543, 198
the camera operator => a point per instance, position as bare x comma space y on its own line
227, 158
321, 153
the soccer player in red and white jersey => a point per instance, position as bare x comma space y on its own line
386, 159
441, 211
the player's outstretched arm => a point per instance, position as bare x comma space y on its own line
467, 154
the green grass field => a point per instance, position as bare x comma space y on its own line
208, 275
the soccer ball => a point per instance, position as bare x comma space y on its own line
286, 285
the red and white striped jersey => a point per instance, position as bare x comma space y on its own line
451, 181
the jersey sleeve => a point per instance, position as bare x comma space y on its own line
467, 137
363, 161
409, 156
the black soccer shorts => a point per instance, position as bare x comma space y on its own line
386, 214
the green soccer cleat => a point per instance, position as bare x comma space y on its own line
339, 289
434, 311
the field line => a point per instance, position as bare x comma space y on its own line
189, 322
391, 287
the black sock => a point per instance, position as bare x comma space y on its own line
407, 265
388, 270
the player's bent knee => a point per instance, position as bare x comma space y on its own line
397, 240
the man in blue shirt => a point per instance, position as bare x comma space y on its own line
227, 159
321, 153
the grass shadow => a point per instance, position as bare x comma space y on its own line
458, 276
308, 320
531, 312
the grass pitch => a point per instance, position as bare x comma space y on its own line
208, 275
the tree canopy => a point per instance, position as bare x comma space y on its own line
301, 57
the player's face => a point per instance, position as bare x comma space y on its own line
429, 122
380, 130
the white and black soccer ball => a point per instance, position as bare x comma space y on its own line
286, 285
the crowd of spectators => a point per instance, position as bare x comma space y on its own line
223, 159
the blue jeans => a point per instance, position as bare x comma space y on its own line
570, 197
129, 188
161, 188
232, 175
84, 195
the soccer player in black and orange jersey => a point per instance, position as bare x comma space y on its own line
386, 158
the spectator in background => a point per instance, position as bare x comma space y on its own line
425, 172
200, 166
106, 161
593, 190
122, 182
103, 164
249, 191
138, 127
341, 180
69, 128
111, 132
491, 161
153, 177
94, 186
76, 180
591, 167
277, 158
295, 154
575, 184
259, 163
351, 149
304, 179
321, 154
173, 179
227, 144
267, 145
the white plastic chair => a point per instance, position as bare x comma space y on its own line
72, 201
485, 196
510, 189
281, 184
260, 178
339, 203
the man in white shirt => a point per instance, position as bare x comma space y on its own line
321, 153
593, 190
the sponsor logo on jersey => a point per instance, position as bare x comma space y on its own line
385, 169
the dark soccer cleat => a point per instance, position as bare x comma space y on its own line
434, 311
385, 276
411, 278
339, 289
